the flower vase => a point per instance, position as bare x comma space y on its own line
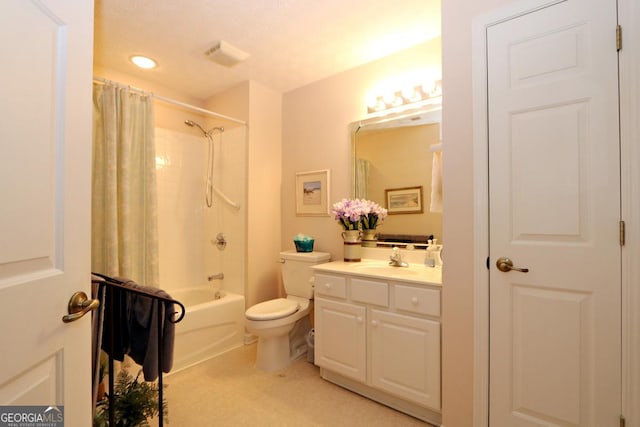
352, 245
369, 238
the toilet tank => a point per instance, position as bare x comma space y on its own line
297, 273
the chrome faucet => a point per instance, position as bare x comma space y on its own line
395, 260
218, 276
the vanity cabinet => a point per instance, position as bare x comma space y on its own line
341, 345
380, 338
405, 357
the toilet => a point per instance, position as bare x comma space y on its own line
282, 324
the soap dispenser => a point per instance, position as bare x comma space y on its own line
430, 256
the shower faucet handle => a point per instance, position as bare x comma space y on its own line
220, 241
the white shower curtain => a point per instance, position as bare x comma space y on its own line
124, 207
362, 178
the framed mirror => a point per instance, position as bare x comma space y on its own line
396, 162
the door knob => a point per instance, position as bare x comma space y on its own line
79, 305
505, 265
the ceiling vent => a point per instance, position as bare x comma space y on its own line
225, 54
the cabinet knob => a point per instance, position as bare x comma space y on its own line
374, 323
327, 285
359, 319
414, 300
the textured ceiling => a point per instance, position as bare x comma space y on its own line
291, 42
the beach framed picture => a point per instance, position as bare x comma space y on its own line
312, 193
407, 200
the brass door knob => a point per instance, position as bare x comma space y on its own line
79, 305
505, 265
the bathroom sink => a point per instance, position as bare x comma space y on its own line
380, 269
418, 273
386, 268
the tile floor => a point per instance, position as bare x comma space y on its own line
229, 391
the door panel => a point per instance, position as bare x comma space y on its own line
341, 338
554, 201
552, 205
413, 375
45, 174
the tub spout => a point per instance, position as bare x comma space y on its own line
218, 276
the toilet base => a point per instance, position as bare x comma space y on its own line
277, 352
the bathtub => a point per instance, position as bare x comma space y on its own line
212, 325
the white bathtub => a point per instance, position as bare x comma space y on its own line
210, 326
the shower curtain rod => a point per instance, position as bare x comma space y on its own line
102, 80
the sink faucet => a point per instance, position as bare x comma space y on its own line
395, 260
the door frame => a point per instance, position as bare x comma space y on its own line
629, 77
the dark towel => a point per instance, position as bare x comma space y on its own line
143, 315
136, 327
116, 302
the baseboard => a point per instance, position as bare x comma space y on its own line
249, 338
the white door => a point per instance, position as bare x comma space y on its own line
45, 175
554, 185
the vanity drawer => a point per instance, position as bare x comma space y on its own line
334, 286
417, 300
369, 291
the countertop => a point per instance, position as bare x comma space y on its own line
376, 269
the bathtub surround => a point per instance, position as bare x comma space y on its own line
189, 253
124, 185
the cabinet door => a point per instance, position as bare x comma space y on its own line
405, 357
340, 344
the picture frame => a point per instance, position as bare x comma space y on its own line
406, 200
312, 193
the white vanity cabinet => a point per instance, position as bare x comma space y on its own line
341, 345
381, 338
405, 357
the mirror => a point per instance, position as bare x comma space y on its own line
392, 162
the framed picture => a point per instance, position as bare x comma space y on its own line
406, 200
312, 193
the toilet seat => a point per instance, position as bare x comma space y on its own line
272, 309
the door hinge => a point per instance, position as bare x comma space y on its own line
619, 38
623, 422
488, 264
622, 233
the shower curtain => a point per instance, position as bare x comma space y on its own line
124, 208
362, 178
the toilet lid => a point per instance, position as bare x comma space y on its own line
272, 309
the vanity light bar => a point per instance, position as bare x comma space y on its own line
377, 103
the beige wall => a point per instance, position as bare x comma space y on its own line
316, 136
458, 209
264, 216
261, 107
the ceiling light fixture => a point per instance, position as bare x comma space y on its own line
224, 54
143, 62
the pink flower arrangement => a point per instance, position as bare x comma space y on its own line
355, 214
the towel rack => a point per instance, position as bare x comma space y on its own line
112, 283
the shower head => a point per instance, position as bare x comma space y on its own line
206, 133
192, 124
